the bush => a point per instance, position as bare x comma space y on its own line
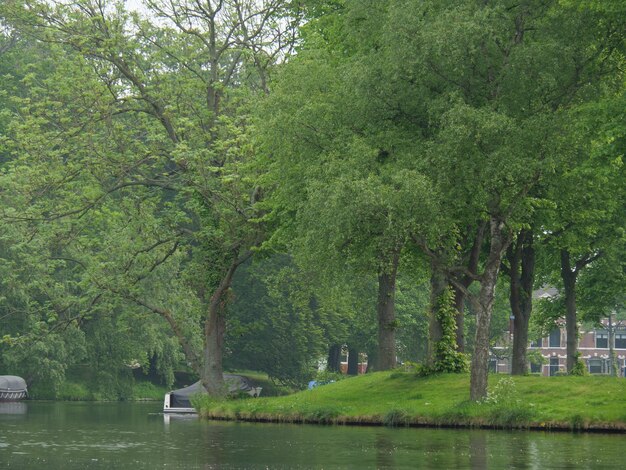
396, 418
325, 377
322, 415
579, 367
507, 409
144, 390
71, 391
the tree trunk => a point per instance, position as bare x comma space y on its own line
459, 305
333, 364
353, 361
522, 273
480, 359
212, 373
372, 358
387, 316
612, 357
438, 285
571, 326
473, 259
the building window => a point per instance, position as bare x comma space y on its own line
534, 368
596, 366
555, 339
620, 341
554, 365
602, 340
538, 343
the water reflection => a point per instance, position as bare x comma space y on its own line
75, 435
168, 417
384, 451
478, 450
13, 408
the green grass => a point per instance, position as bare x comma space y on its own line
400, 399
145, 390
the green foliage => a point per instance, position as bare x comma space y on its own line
394, 418
506, 408
412, 301
326, 377
579, 368
71, 391
134, 175
144, 390
534, 356
125, 148
276, 326
505, 391
448, 359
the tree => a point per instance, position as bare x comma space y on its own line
276, 325
162, 102
489, 86
521, 272
344, 185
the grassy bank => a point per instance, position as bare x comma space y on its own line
404, 399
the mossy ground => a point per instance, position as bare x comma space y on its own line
403, 398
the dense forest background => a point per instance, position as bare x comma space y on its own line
200, 185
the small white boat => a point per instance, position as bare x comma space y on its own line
179, 401
12, 388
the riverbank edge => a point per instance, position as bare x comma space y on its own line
418, 422
397, 399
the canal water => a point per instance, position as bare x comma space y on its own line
136, 436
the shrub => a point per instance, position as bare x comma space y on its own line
510, 416
325, 377
395, 418
507, 409
579, 367
323, 415
505, 391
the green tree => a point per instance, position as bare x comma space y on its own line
150, 142
344, 187
495, 81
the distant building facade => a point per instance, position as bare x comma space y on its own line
593, 346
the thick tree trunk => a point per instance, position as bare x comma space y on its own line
522, 273
353, 361
387, 316
466, 281
333, 363
480, 359
438, 285
212, 373
571, 325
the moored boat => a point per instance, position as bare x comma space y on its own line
12, 388
179, 401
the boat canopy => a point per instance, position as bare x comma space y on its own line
12, 383
182, 398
